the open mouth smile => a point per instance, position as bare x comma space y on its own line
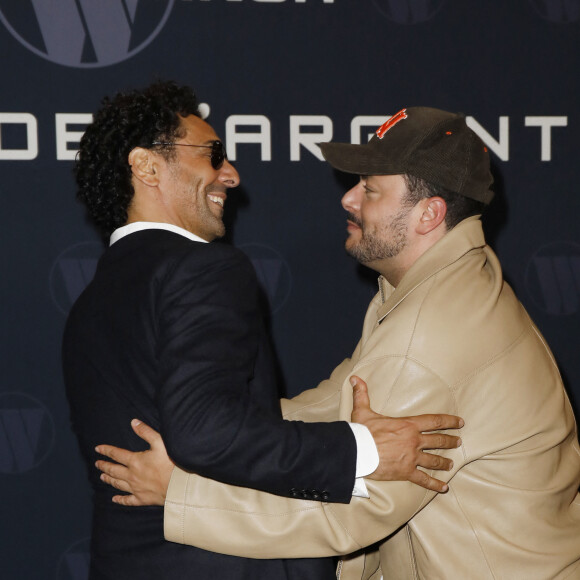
216, 199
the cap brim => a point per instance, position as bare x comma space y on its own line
358, 159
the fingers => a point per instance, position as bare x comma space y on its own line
360, 395
145, 432
129, 500
115, 478
436, 422
430, 461
422, 479
113, 470
119, 484
124, 456
439, 441
117, 454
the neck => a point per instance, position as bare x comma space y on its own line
394, 269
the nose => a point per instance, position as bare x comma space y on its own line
351, 199
229, 175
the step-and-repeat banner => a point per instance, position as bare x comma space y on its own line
276, 77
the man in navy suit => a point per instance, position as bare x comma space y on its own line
169, 331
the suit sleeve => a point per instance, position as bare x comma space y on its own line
214, 420
261, 525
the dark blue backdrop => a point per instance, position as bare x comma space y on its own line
277, 75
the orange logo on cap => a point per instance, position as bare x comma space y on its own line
402, 114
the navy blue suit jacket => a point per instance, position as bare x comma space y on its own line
169, 331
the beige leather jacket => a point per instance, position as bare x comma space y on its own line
451, 338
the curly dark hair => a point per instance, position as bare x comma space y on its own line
459, 207
128, 120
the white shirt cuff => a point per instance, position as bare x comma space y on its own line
367, 457
360, 488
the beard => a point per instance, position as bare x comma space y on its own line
193, 206
379, 242
211, 221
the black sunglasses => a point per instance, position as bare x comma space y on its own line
218, 151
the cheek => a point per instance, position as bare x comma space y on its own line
375, 215
195, 187
209, 175
367, 216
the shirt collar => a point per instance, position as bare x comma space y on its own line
385, 289
140, 226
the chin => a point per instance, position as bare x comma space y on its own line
220, 233
350, 244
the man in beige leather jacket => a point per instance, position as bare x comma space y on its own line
444, 334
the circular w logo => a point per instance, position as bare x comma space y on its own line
26, 432
85, 33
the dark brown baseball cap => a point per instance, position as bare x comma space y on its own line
431, 144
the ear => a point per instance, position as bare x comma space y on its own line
143, 164
433, 212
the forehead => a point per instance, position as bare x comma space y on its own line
197, 131
385, 181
